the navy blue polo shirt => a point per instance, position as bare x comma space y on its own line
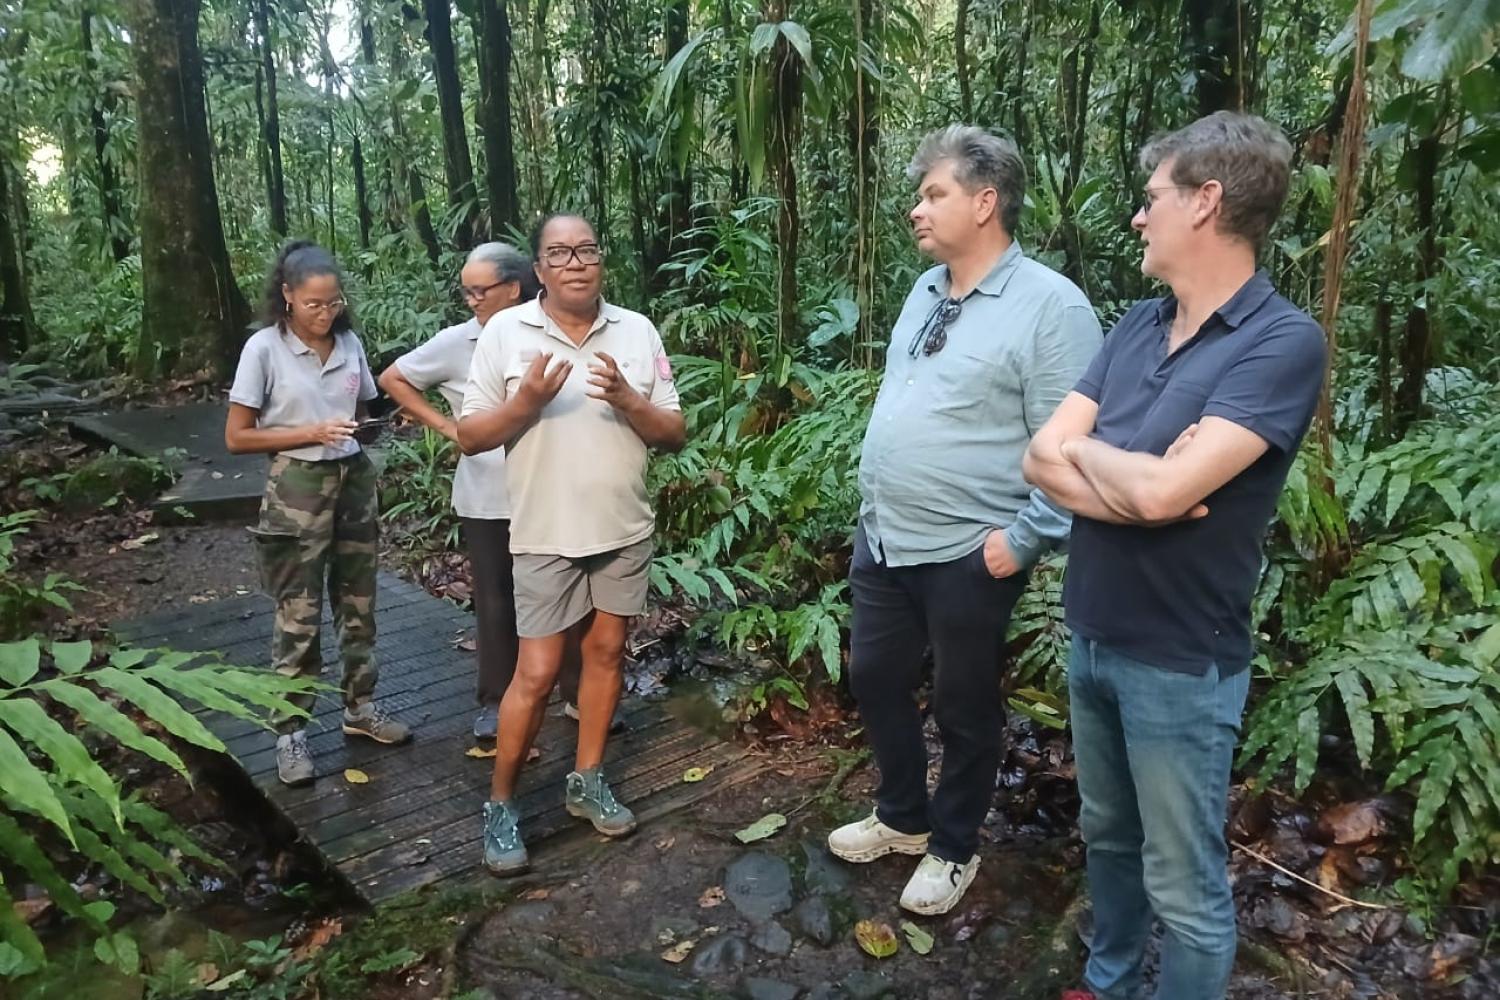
1178, 596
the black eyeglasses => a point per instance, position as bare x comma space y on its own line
934, 332
588, 255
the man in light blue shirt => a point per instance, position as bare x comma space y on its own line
987, 345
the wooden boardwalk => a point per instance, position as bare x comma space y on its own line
416, 822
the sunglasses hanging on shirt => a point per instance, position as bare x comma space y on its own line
934, 332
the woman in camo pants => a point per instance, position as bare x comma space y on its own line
299, 391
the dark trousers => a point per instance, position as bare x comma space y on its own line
488, 541
961, 612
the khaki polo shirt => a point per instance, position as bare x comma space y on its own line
577, 475
442, 363
282, 378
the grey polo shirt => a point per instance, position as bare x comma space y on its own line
941, 464
479, 489
282, 378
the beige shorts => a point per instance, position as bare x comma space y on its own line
553, 593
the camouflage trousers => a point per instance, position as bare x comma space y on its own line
319, 523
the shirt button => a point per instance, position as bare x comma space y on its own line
911, 381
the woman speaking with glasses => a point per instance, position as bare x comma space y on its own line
577, 391
299, 395
494, 278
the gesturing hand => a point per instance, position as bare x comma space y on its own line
331, 433
538, 386
613, 387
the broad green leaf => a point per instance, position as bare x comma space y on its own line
21, 951
20, 849
1395, 494
28, 787
1457, 37
919, 940
19, 661
70, 758
1308, 731
94, 711
761, 828
1357, 709
159, 706
1463, 560
71, 657
1434, 789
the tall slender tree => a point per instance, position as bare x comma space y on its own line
493, 49
458, 167
192, 312
271, 125
102, 108
17, 324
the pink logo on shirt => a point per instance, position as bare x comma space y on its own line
664, 368
351, 384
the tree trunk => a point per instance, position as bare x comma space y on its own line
961, 62
1215, 38
600, 132
17, 325
101, 111
361, 192
276, 179
1417, 338
494, 52
786, 95
458, 168
676, 215
192, 311
865, 129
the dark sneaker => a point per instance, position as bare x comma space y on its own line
616, 724
589, 798
370, 720
294, 763
504, 853
487, 723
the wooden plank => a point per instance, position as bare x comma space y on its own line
417, 820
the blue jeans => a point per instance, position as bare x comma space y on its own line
1154, 749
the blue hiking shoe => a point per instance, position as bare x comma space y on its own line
589, 798
504, 853
487, 723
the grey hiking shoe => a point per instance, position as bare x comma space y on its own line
372, 721
294, 763
504, 853
487, 723
589, 798
616, 722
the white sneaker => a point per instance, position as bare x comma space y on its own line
937, 885
869, 839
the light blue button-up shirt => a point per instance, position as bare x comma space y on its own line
941, 463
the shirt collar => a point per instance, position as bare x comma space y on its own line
531, 314
473, 328
1241, 305
336, 357
994, 283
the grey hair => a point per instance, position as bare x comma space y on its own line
509, 263
1249, 157
980, 159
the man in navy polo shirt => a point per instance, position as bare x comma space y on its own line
1171, 452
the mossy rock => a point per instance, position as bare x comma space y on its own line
109, 477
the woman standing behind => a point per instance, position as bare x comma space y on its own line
495, 277
300, 388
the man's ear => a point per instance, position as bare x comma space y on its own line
986, 205
1207, 202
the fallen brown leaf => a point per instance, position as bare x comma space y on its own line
712, 896
322, 932
1352, 822
678, 951
536, 894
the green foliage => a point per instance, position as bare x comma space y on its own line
1402, 649
20, 601
417, 486
58, 794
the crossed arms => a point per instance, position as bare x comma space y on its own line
1106, 483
